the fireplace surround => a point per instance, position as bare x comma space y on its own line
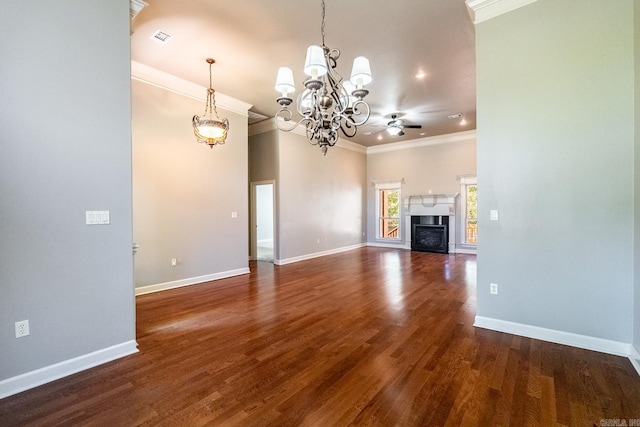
435, 216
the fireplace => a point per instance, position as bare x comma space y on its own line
430, 233
434, 215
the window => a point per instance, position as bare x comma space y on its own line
469, 192
388, 210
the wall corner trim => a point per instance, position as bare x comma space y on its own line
155, 77
28, 380
483, 10
551, 335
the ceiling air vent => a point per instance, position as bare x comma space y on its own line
161, 37
135, 6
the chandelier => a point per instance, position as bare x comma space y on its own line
208, 129
327, 104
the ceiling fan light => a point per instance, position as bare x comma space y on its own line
284, 81
361, 72
395, 131
315, 64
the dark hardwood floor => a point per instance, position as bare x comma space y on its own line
374, 336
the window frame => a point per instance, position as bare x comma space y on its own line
386, 186
466, 181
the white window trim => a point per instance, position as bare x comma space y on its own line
390, 184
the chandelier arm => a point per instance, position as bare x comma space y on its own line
284, 115
359, 107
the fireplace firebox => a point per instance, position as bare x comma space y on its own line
430, 234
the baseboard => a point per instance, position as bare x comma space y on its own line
190, 281
567, 338
317, 254
41, 376
465, 251
634, 357
389, 245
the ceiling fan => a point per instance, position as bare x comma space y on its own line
395, 126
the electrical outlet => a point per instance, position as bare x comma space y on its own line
174, 262
493, 288
22, 328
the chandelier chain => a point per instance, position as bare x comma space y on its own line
322, 27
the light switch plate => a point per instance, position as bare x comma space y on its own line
493, 214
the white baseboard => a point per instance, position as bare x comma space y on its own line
317, 254
190, 281
389, 245
32, 379
465, 251
560, 337
634, 357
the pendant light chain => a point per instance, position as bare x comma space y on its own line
211, 107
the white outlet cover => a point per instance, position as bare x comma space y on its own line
493, 214
22, 328
493, 288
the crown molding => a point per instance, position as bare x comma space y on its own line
157, 78
424, 142
483, 10
262, 127
300, 130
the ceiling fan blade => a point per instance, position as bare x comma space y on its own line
411, 126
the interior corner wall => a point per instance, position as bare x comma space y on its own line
429, 168
555, 85
65, 149
321, 199
184, 193
263, 156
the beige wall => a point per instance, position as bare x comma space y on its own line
320, 198
184, 192
427, 168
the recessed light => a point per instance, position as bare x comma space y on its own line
380, 137
161, 37
421, 75
423, 133
463, 122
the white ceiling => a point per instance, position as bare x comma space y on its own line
250, 39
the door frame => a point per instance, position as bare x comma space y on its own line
253, 235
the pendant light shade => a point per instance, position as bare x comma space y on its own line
209, 128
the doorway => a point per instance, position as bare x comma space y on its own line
262, 221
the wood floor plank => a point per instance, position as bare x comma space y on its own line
370, 337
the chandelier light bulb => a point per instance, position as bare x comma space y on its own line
284, 81
361, 72
315, 64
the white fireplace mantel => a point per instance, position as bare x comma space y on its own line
443, 204
431, 204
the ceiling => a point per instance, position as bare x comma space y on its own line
250, 39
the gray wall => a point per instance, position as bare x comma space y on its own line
636, 295
431, 167
555, 156
65, 148
263, 156
184, 192
321, 199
